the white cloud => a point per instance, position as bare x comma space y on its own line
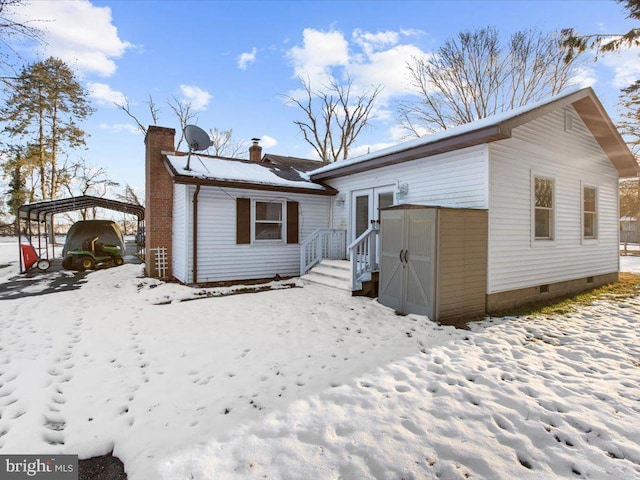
371, 59
246, 58
268, 142
371, 42
77, 32
198, 97
320, 51
121, 127
387, 68
625, 65
104, 94
583, 77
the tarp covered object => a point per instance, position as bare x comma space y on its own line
107, 231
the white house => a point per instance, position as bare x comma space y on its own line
546, 173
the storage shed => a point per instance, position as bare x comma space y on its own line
433, 261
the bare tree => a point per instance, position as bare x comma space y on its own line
11, 29
629, 123
129, 195
474, 76
335, 116
183, 112
154, 111
223, 144
83, 179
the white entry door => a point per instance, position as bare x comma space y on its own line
365, 207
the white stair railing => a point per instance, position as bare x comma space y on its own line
324, 243
364, 258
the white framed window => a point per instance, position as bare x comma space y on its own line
543, 206
589, 212
268, 221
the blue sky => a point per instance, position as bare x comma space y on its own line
235, 60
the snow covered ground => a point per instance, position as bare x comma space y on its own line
304, 383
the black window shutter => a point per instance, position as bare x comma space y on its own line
243, 220
292, 222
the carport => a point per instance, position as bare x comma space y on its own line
35, 218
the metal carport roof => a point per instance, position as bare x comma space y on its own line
38, 210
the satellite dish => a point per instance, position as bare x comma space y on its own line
197, 139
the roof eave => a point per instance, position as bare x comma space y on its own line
483, 135
607, 135
188, 180
584, 101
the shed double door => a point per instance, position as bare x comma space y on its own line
407, 273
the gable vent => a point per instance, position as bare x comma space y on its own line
569, 120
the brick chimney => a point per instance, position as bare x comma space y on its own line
255, 151
158, 197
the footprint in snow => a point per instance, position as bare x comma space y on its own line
53, 438
412, 427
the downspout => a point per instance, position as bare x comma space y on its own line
195, 233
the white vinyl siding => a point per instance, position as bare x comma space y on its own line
221, 259
453, 179
572, 159
181, 213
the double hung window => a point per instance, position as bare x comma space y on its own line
543, 191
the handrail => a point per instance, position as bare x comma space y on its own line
364, 234
323, 243
364, 257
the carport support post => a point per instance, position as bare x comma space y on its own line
20, 244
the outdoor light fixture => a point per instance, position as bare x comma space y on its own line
340, 200
402, 189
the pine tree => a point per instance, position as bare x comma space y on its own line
17, 170
45, 104
577, 43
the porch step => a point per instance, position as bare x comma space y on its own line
331, 273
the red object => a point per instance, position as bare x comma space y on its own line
29, 256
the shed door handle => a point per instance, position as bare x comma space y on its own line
400, 256
406, 252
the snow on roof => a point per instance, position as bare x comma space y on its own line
449, 133
243, 171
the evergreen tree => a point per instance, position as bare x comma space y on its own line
45, 104
603, 42
17, 194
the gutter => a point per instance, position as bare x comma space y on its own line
195, 233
